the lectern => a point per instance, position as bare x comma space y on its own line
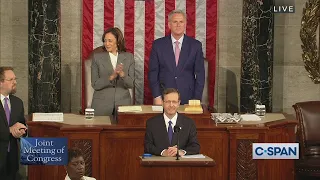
162, 168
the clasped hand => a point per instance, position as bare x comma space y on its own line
172, 151
117, 72
18, 130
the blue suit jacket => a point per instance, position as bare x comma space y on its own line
188, 77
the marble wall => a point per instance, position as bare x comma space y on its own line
257, 55
14, 43
290, 84
44, 56
228, 55
71, 55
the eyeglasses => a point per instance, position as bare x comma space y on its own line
171, 102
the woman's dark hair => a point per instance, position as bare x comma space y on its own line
119, 37
74, 153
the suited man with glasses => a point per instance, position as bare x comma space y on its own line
12, 124
159, 137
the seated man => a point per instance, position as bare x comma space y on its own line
76, 166
159, 137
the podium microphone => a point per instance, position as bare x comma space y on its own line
177, 130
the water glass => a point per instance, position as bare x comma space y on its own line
260, 109
89, 113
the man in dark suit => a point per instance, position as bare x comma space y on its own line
12, 124
160, 139
176, 61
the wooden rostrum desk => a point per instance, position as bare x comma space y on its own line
111, 149
159, 168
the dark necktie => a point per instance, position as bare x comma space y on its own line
170, 131
7, 111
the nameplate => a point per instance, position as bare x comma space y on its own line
51, 117
157, 108
129, 109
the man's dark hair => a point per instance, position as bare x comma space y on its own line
2, 70
171, 90
74, 153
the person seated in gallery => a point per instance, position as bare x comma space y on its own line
159, 137
112, 74
76, 166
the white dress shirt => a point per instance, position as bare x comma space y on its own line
2, 101
174, 43
83, 178
174, 122
114, 59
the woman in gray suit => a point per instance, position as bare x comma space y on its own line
112, 74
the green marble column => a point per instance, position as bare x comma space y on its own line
257, 55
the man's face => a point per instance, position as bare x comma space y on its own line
9, 83
177, 24
171, 103
76, 168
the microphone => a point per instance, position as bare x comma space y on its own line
177, 130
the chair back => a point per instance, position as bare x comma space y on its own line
308, 132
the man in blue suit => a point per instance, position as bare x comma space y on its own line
176, 61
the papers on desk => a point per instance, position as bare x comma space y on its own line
250, 117
194, 156
129, 109
157, 108
51, 117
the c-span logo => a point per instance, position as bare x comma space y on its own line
275, 150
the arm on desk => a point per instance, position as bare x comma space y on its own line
193, 146
149, 146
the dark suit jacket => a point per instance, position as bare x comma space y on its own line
109, 93
17, 115
188, 77
156, 137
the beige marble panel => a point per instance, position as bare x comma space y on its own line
20, 12
75, 102
221, 104
71, 55
292, 46
294, 19
14, 43
20, 48
287, 37
6, 33
229, 88
229, 9
278, 88
229, 46
22, 84
228, 55
280, 19
298, 87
